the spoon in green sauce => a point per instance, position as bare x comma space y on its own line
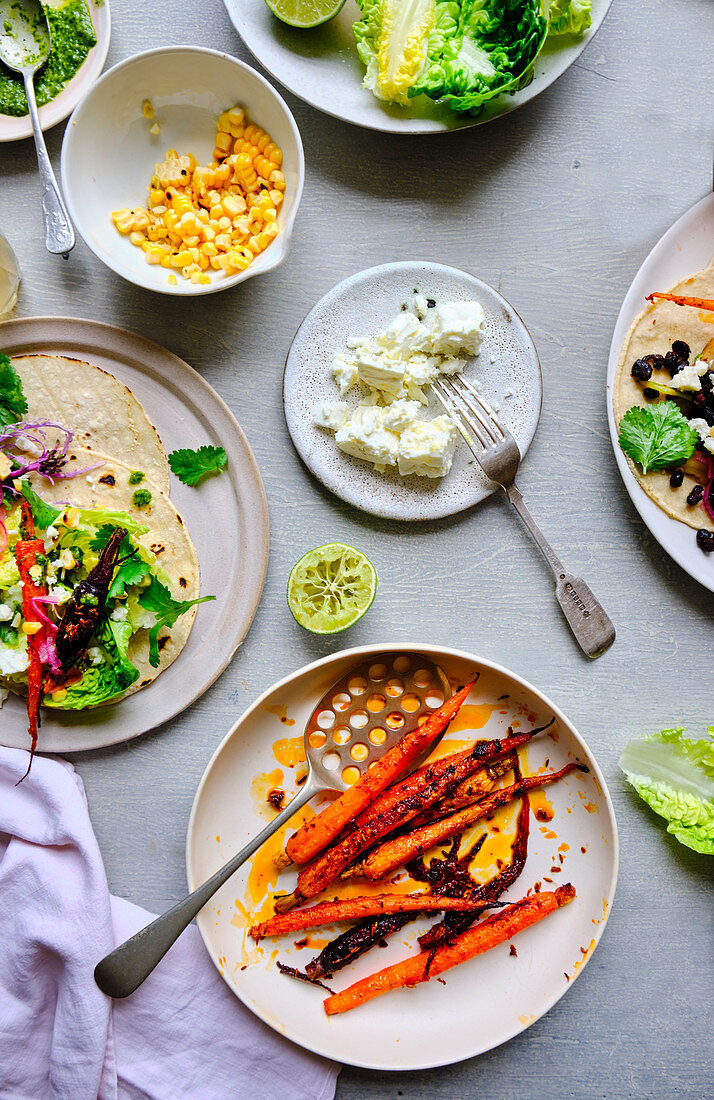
24, 47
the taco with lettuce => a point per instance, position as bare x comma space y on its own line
99, 578
663, 401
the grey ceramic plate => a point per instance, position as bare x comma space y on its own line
232, 553
363, 305
321, 66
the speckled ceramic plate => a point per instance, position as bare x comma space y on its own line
364, 304
573, 838
232, 553
12, 129
684, 249
321, 66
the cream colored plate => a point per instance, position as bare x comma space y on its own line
483, 1002
13, 128
232, 553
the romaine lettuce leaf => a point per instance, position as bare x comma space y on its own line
675, 777
103, 682
491, 50
392, 38
567, 16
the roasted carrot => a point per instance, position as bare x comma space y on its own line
683, 300
470, 790
315, 878
332, 912
322, 829
480, 753
393, 853
429, 964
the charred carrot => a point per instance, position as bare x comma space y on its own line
315, 878
322, 829
429, 964
480, 753
683, 300
26, 550
394, 853
470, 790
332, 912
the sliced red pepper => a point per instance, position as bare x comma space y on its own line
26, 550
683, 300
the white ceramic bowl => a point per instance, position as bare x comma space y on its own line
13, 128
108, 153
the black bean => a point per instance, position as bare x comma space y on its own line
641, 370
650, 393
676, 478
682, 349
655, 361
696, 495
673, 363
705, 541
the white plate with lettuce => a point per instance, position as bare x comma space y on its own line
426, 71
684, 249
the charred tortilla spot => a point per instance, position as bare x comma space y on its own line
182, 582
178, 517
144, 683
157, 548
162, 641
108, 479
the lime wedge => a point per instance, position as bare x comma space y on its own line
331, 587
304, 13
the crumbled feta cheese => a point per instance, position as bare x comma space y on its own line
6, 613
14, 658
455, 327
380, 372
61, 593
5, 466
706, 432
404, 335
120, 613
35, 572
689, 377
420, 306
427, 447
95, 654
400, 415
344, 373
50, 535
364, 436
331, 415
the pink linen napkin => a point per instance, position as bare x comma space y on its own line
182, 1034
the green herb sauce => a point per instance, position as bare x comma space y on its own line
72, 38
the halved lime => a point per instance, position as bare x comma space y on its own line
331, 587
304, 13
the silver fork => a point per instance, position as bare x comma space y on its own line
499, 458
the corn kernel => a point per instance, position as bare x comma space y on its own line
155, 129
59, 694
31, 628
147, 109
71, 517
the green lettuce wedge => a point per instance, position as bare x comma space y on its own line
675, 777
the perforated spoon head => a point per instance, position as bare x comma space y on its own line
366, 712
24, 35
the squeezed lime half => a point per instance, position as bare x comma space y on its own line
331, 587
304, 13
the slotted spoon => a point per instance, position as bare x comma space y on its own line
363, 715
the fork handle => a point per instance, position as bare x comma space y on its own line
586, 617
127, 966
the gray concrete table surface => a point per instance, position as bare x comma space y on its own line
555, 205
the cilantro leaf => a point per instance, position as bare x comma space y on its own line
657, 436
44, 514
158, 599
190, 466
129, 572
13, 403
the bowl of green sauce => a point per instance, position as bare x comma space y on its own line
80, 32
